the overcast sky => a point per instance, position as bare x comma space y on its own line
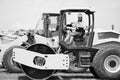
25, 13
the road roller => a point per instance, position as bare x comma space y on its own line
77, 50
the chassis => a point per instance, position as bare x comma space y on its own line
102, 59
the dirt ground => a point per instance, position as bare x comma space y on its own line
21, 76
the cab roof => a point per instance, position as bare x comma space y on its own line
87, 11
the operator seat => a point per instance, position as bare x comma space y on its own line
79, 39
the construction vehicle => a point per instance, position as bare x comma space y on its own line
24, 41
97, 50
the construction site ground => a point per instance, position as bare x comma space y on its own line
4, 75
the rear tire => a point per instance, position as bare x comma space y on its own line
8, 63
106, 63
93, 72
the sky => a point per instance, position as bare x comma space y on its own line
15, 14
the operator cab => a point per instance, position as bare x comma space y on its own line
78, 24
50, 25
53, 26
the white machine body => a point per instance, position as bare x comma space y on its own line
103, 36
52, 61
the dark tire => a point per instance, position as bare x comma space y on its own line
106, 63
8, 63
93, 72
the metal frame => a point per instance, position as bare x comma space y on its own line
46, 21
87, 48
90, 23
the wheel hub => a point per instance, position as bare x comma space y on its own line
112, 63
39, 61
